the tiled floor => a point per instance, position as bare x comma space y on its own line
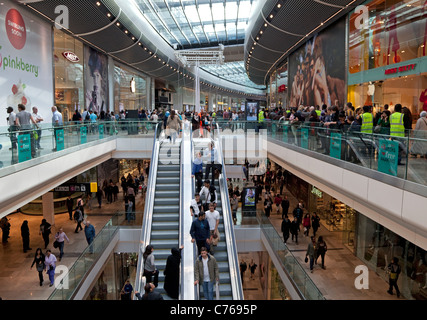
17, 280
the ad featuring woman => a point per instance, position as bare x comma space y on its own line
316, 70
96, 77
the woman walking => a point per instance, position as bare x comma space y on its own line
321, 250
150, 269
39, 260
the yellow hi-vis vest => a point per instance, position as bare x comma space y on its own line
261, 116
397, 127
367, 123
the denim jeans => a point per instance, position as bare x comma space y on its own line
61, 249
51, 274
208, 287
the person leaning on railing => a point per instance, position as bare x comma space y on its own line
397, 128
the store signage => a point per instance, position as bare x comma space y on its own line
70, 56
282, 88
71, 188
335, 149
15, 29
60, 140
101, 131
409, 67
316, 192
388, 157
24, 147
83, 135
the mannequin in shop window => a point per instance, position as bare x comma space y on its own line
419, 271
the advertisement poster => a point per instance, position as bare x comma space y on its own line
83, 135
252, 111
60, 139
388, 157
250, 197
96, 79
25, 62
316, 72
24, 147
335, 149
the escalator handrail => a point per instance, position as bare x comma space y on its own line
148, 210
230, 239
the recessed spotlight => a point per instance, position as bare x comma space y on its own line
126, 31
265, 24
271, 16
98, 3
133, 38
279, 5
108, 15
118, 24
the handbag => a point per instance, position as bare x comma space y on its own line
56, 244
40, 267
306, 260
377, 129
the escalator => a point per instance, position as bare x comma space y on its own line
225, 253
160, 227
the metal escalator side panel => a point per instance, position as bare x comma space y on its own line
148, 212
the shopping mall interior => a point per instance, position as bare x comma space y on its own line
119, 74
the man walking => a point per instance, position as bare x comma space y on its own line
90, 235
37, 118
200, 232
206, 271
394, 271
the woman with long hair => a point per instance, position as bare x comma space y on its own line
150, 269
39, 259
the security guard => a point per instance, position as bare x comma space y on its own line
367, 120
397, 128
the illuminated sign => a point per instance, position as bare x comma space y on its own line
409, 67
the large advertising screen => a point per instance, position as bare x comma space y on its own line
25, 62
317, 69
96, 79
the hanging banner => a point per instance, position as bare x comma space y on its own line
60, 140
388, 157
304, 138
83, 135
101, 131
335, 149
24, 147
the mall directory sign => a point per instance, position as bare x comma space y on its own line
83, 135
388, 157
101, 131
60, 140
335, 149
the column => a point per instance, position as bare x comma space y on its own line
48, 208
197, 88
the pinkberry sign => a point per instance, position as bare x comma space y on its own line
15, 29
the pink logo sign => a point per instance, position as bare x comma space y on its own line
15, 29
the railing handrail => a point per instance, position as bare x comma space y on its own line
233, 261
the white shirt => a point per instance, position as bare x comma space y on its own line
205, 191
206, 276
50, 261
195, 207
212, 218
208, 155
12, 118
37, 117
57, 116
154, 117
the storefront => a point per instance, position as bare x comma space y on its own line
69, 80
386, 57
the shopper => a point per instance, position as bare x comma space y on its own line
315, 223
285, 206
70, 206
150, 293
78, 217
60, 237
252, 267
213, 216
197, 171
173, 126
200, 232
171, 273
208, 193
213, 163
90, 235
306, 224
267, 206
295, 229
50, 265
278, 202
126, 292
234, 203
99, 196
25, 233
45, 231
393, 271
243, 268
150, 270
285, 228
321, 249
39, 261
310, 253
419, 147
196, 206
208, 277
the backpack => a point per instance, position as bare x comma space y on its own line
87, 116
212, 193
